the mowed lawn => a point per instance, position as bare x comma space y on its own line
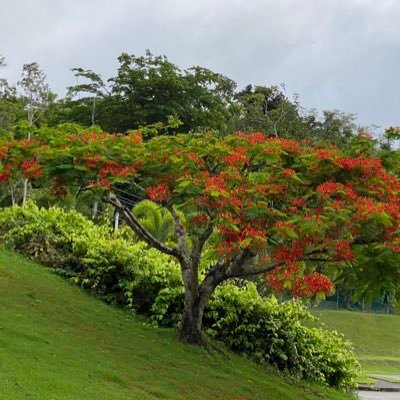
57, 342
376, 337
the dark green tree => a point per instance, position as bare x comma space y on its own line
268, 110
148, 89
10, 105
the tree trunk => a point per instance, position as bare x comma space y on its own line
196, 298
190, 331
25, 193
95, 209
116, 221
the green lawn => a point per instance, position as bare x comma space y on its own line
376, 337
57, 342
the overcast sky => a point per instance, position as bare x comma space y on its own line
336, 54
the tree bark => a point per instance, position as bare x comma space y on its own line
25, 193
196, 299
191, 325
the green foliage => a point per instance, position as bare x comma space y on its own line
268, 110
157, 220
120, 272
148, 89
273, 333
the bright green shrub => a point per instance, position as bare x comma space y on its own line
119, 271
273, 333
132, 275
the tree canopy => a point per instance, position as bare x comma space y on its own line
263, 205
149, 89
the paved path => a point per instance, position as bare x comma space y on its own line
379, 396
382, 385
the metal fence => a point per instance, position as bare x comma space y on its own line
343, 302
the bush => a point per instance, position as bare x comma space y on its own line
134, 276
91, 256
273, 333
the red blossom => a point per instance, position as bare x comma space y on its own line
4, 175
215, 183
194, 157
252, 138
343, 251
136, 137
159, 193
289, 254
237, 158
199, 219
326, 154
326, 189
31, 169
3, 152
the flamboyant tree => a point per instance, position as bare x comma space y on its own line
262, 205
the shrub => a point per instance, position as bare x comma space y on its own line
91, 256
273, 333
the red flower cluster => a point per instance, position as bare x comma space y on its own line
326, 189
367, 166
281, 279
91, 160
4, 175
310, 285
135, 137
233, 240
237, 158
288, 172
31, 169
215, 183
289, 254
343, 251
199, 219
114, 169
252, 138
366, 207
194, 157
278, 277
3, 152
159, 193
327, 154
298, 202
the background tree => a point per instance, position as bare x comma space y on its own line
268, 110
148, 89
36, 94
335, 126
10, 106
36, 97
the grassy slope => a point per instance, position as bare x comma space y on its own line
376, 337
56, 342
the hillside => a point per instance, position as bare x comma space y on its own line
376, 337
57, 342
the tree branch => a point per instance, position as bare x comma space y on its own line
140, 230
196, 254
254, 269
180, 233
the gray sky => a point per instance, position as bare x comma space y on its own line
336, 54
